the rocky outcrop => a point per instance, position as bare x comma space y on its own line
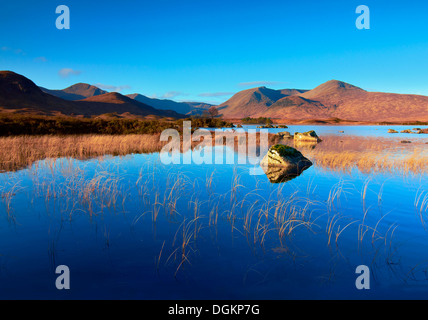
289, 161
416, 131
285, 135
421, 131
309, 136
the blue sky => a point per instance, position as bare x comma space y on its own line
205, 50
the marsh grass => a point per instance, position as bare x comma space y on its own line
368, 155
22, 151
421, 204
8, 191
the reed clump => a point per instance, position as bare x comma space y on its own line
21, 151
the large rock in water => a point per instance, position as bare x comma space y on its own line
282, 163
309, 136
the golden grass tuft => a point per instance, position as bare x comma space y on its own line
21, 151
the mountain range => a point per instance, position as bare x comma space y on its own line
20, 94
187, 108
331, 100
82, 91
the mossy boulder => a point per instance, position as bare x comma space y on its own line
290, 160
307, 136
284, 151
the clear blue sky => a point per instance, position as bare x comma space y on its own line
204, 50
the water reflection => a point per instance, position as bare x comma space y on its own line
280, 174
305, 145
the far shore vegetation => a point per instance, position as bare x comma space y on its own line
260, 120
15, 125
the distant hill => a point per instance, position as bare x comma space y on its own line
116, 102
333, 99
19, 94
77, 91
80, 91
188, 108
254, 102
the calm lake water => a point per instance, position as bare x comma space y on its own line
131, 227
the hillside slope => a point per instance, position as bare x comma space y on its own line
189, 108
77, 91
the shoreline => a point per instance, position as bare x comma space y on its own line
338, 122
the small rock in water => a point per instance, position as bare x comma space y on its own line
285, 135
406, 131
392, 131
307, 136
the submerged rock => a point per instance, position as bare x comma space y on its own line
307, 136
283, 162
